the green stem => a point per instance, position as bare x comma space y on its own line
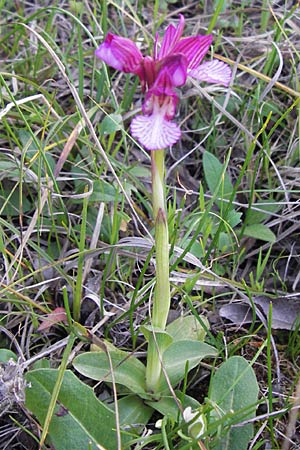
161, 300
158, 189
161, 296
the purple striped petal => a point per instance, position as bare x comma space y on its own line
154, 132
194, 49
170, 38
120, 53
212, 72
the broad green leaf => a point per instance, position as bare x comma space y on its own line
234, 103
196, 248
43, 363
234, 391
163, 339
133, 412
233, 218
188, 328
261, 232
266, 107
140, 171
128, 370
167, 406
6, 355
12, 206
181, 353
261, 211
111, 123
109, 346
103, 192
75, 422
8, 167
224, 242
217, 180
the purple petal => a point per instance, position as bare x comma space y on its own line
171, 37
176, 65
193, 48
120, 53
161, 98
167, 41
212, 72
155, 132
147, 72
163, 84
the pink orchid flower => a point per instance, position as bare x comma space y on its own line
172, 62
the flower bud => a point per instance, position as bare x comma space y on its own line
196, 421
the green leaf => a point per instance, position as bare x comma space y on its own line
128, 370
43, 363
196, 249
234, 391
167, 406
163, 339
178, 355
133, 412
6, 355
75, 423
139, 171
233, 218
261, 211
214, 171
111, 123
224, 242
103, 192
188, 328
8, 167
12, 206
36, 154
261, 232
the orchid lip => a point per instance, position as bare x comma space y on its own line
155, 132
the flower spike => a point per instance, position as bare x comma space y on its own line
172, 62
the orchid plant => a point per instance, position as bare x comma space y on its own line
174, 60
174, 349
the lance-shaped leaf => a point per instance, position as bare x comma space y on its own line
76, 419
